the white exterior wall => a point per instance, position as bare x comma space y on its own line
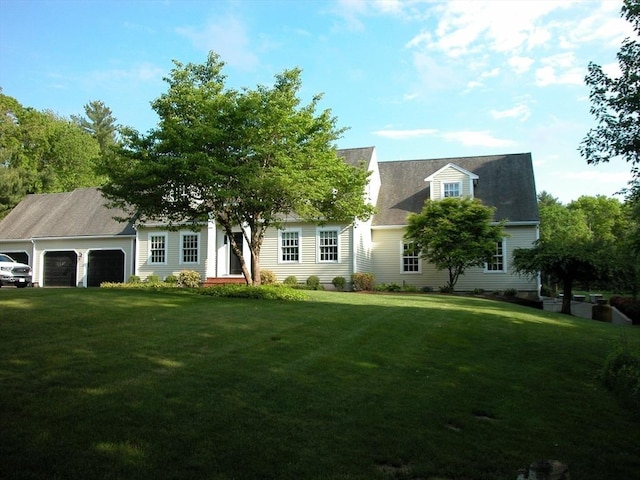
81, 246
173, 264
18, 246
387, 264
451, 175
308, 263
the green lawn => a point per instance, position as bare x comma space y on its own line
114, 384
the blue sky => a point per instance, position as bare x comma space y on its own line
416, 79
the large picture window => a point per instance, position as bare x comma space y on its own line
189, 247
328, 245
158, 249
289, 246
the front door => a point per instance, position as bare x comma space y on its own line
234, 261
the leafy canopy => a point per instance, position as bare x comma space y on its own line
454, 234
41, 152
241, 157
615, 104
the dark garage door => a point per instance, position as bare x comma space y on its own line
60, 269
105, 266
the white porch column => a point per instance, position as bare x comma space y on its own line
211, 249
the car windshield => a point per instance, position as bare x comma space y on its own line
6, 258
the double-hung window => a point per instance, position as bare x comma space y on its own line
289, 246
410, 258
189, 248
497, 261
451, 189
328, 245
158, 249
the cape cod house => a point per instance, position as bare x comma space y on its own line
73, 239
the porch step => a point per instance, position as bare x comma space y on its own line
210, 281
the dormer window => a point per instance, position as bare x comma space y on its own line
451, 189
452, 181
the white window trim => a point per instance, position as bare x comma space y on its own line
290, 230
443, 183
327, 229
166, 247
182, 235
402, 270
504, 261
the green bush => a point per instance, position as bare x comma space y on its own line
478, 291
313, 282
388, 287
171, 279
629, 306
267, 277
153, 279
339, 283
262, 292
139, 285
427, 289
363, 281
510, 292
189, 279
621, 375
134, 279
446, 289
291, 280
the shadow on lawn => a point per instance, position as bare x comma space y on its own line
171, 385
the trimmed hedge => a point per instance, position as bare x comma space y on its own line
262, 292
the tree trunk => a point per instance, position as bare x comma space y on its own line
255, 243
567, 287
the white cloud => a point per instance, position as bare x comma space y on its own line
520, 112
593, 175
561, 69
228, 37
141, 73
549, 75
499, 26
492, 73
520, 64
405, 134
470, 138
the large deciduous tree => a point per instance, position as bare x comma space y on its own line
249, 158
579, 242
615, 103
454, 234
41, 152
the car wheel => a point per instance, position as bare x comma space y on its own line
21, 285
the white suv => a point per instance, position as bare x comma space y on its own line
14, 273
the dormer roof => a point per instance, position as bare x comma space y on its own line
506, 182
463, 171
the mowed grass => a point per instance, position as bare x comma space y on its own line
111, 384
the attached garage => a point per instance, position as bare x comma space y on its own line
105, 266
60, 269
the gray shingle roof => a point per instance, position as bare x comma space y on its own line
79, 213
353, 156
505, 182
